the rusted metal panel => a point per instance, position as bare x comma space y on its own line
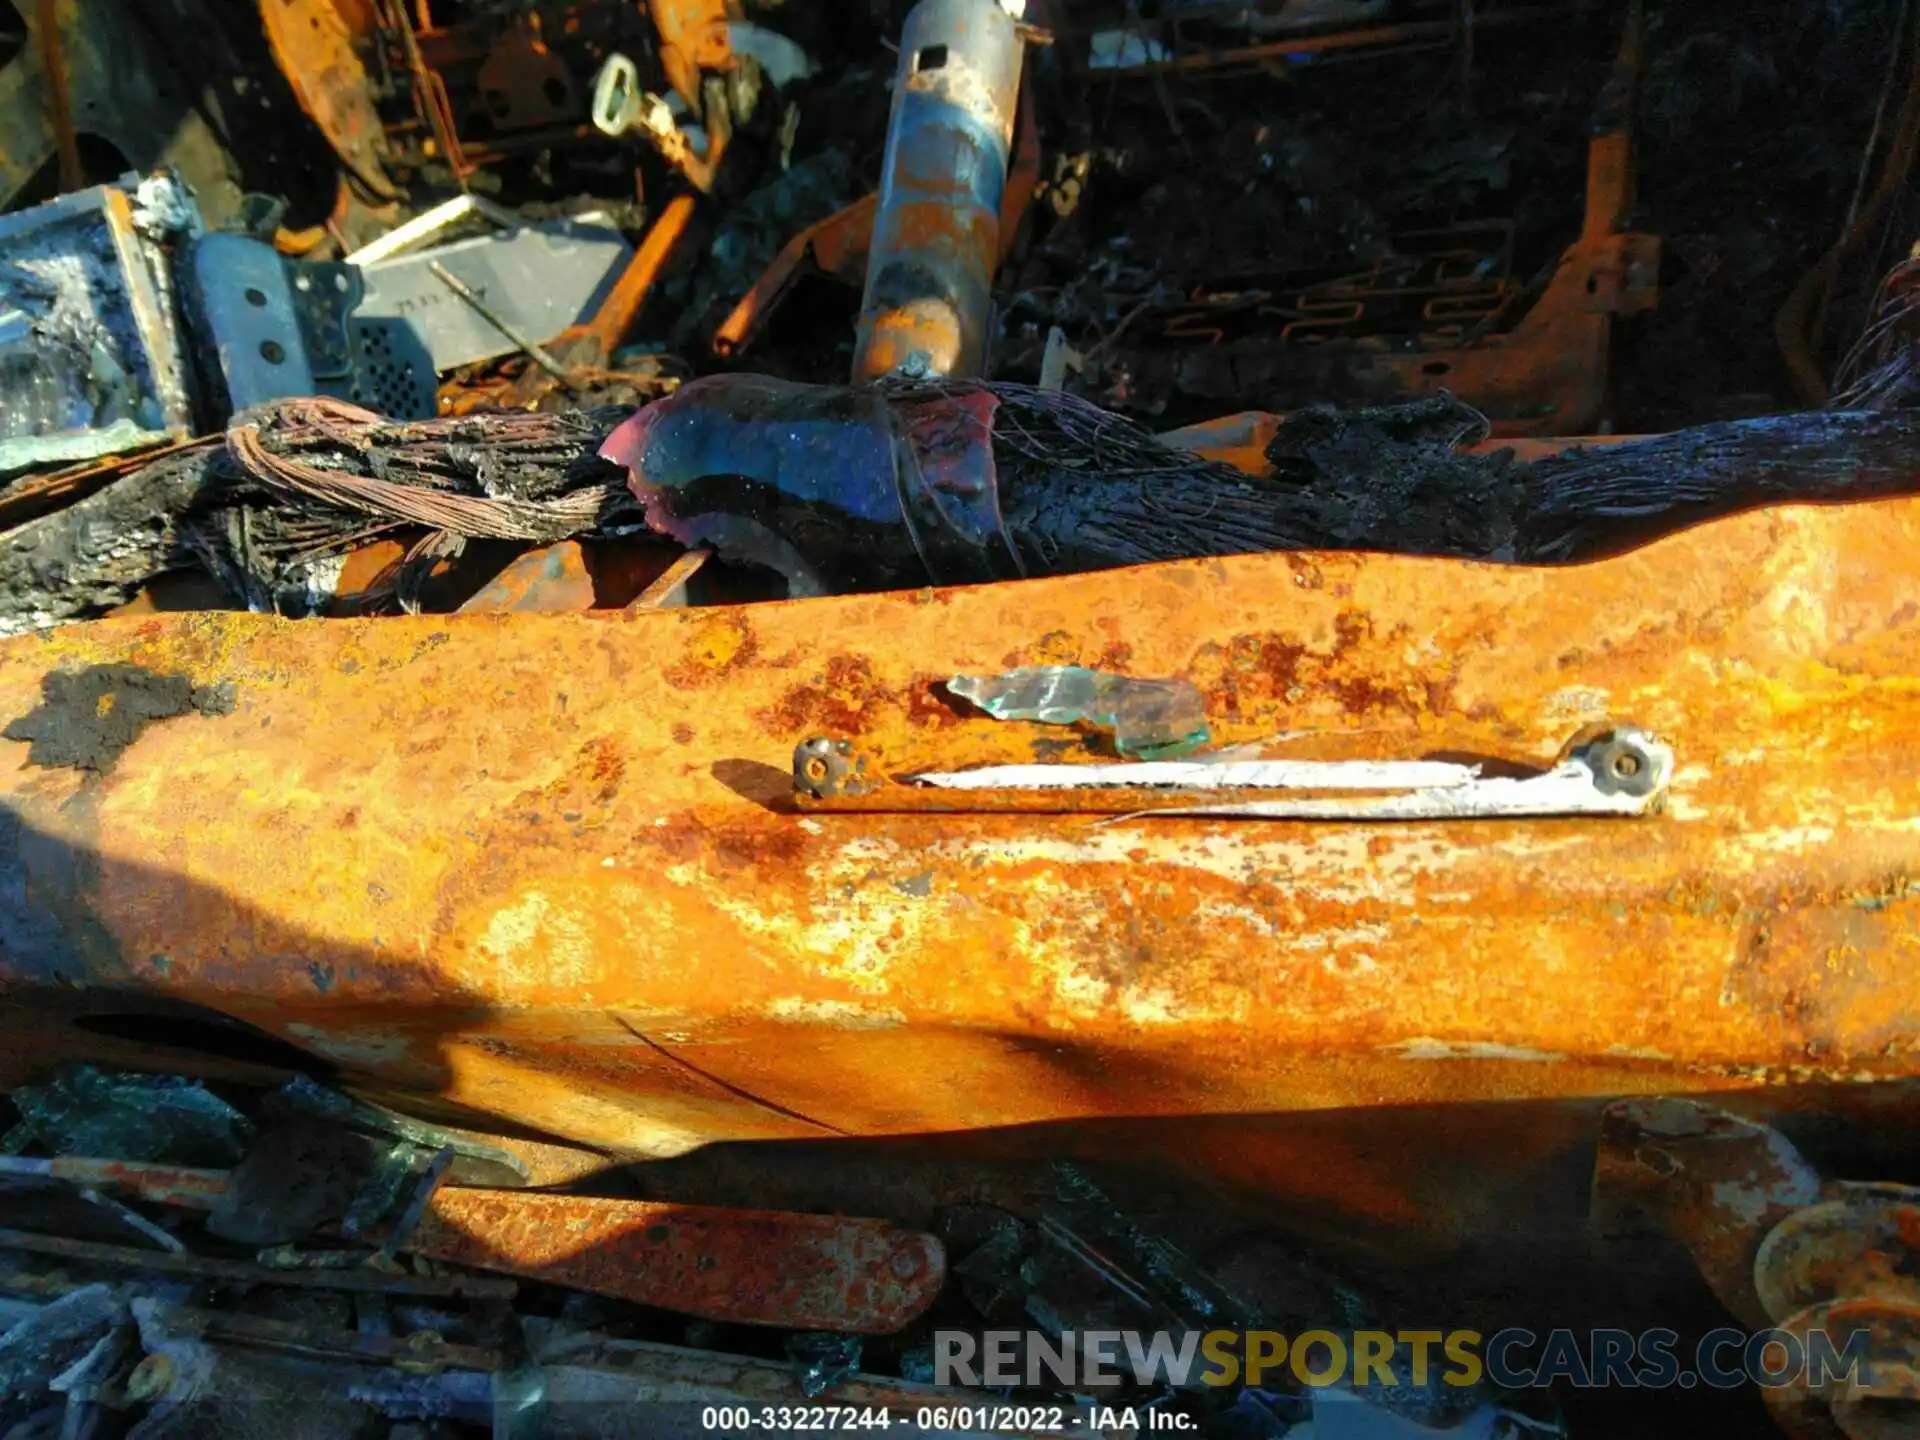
806, 1272
540, 865
744, 1267
578, 575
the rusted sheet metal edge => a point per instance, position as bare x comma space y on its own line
805, 1272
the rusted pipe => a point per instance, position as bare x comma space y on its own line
937, 235
161, 1184
53, 65
613, 321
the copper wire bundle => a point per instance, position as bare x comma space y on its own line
438, 468
318, 477
1881, 371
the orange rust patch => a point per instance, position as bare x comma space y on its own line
928, 703
839, 700
738, 846
718, 643
607, 766
1249, 671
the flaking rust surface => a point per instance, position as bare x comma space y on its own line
540, 864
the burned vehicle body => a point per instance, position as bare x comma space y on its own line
898, 732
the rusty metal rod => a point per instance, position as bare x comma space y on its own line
242, 1272
422, 1352
161, 1184
531, 347
134, 1220
53, 64
614, 319
669, 589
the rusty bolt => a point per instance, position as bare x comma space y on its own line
824, 767
1623, 763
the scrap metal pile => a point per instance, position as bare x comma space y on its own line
179, 1266
1431, 211
238, 1259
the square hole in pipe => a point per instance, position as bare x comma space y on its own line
931, 57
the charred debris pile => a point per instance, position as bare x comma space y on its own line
477, 305
278, 1257
268, 1254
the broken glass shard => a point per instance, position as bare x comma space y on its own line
1149, 719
